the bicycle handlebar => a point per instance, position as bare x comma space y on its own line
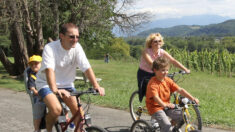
89, 91
172, 75
175, 73
177, 106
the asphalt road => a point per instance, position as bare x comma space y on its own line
16, 115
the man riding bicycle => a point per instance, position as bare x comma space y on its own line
58, 71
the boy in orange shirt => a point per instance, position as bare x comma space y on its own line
158, 94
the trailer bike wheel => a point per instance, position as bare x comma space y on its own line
138, 109
141, 126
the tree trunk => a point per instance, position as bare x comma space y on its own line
38, 47
55, 11
28, 28
18, 49
17, 42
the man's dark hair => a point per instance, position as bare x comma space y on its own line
160, 62
64, 27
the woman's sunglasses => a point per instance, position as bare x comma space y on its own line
157, 41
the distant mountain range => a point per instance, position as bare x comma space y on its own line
226, 28
186, 20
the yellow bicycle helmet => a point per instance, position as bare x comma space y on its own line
35, 58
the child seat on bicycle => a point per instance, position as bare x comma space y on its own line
38, 106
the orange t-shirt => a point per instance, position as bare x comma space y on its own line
163, 89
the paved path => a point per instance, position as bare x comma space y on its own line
15, 115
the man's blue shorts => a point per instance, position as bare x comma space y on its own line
45, 91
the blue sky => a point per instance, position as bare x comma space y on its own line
163, 9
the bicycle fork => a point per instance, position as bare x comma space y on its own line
84, 119
186, 116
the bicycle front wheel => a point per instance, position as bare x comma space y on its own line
194, 117
141, 126
95, 129
138, 109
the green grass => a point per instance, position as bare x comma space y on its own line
216, 94
12, 82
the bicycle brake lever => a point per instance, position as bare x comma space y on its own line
194, 103
182, 72
93, 91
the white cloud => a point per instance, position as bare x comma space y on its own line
178, 8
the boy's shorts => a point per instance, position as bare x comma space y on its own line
45, 91
38, 107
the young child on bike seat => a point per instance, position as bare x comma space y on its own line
38, 107
158, 94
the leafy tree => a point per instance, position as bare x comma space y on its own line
135, 51
17, 39
30, 22
119, 48
135, 40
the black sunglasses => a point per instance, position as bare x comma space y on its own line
73, 36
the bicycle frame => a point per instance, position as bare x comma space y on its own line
79, 113
79, 125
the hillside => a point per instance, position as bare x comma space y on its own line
185, 20
226, 28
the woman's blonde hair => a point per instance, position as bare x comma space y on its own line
151, 37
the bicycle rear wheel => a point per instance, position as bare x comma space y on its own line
141, 126
95, 129
138, 109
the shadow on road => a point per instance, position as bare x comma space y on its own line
118, 129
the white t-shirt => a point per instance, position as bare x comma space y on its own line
63, 62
